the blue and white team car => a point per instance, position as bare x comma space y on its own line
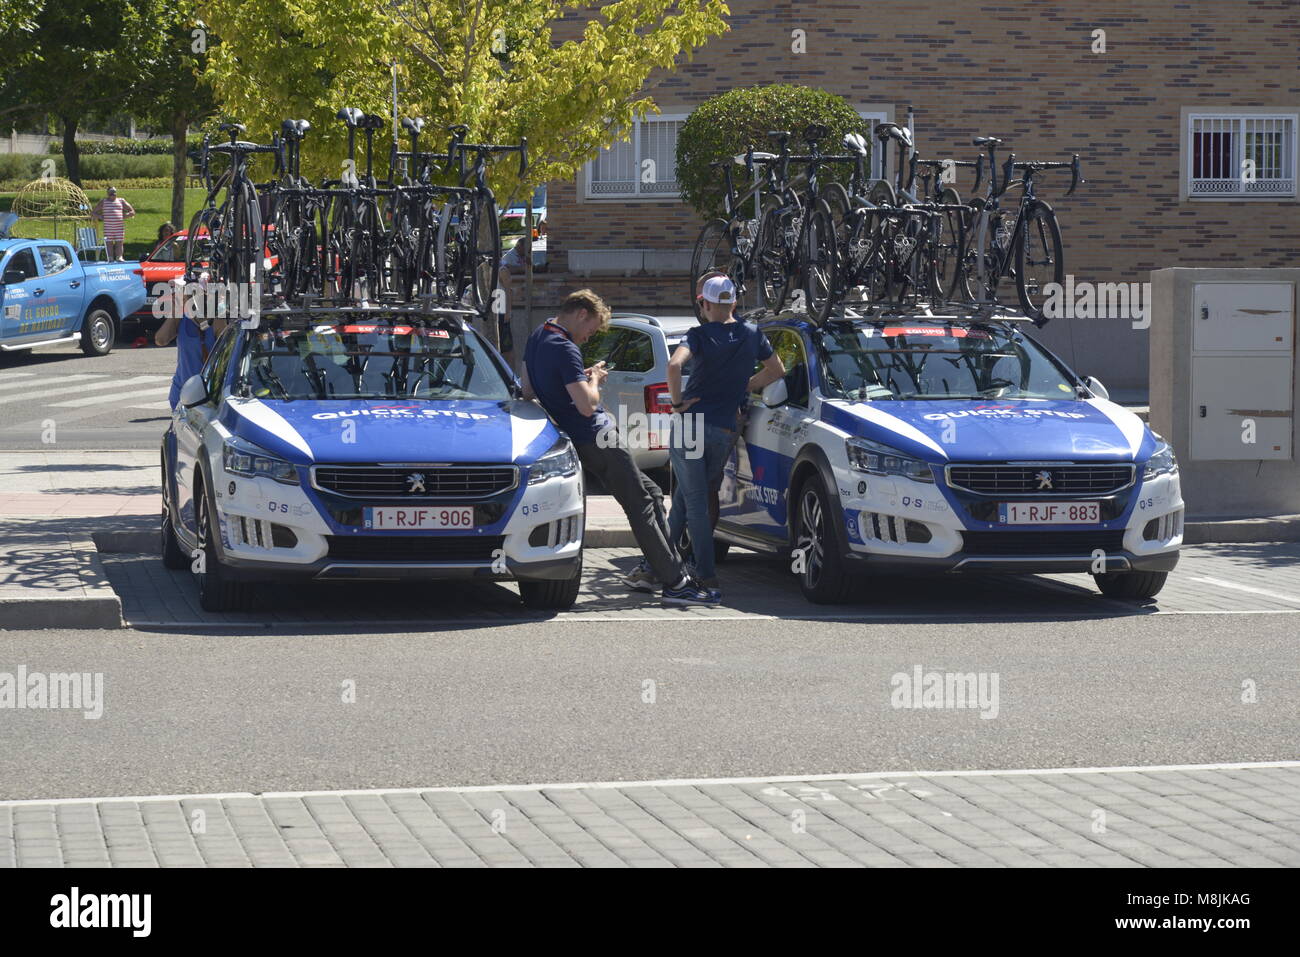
910, 443
367, 444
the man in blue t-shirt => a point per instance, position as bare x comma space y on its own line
192, 342
725, 352
554, 375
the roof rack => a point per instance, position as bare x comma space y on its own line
947, 312
314, 306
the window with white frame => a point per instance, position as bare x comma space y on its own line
1244, 154
641, 166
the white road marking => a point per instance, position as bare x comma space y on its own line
163, 406
1220, 583
151, 393
5, 378
671, 782
62, 380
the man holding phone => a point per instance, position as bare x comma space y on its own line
554, 375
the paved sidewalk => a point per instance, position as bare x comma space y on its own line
1193, 816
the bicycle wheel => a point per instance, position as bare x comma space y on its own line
447, 251
712, 253
1039, 259
820, 262
774, 257
948, 246
967, 270
487, 252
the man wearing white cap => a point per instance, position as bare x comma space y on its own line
726, 352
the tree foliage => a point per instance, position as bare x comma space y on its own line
729, 124
491, 64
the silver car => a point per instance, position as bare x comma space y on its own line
635, 349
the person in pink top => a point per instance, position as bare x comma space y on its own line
113, 213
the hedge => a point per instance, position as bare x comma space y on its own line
731, 123
104, 166
125, 146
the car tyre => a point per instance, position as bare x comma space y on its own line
1131, 586
824, 579
173, 556
217, 591
552, 595
98, 332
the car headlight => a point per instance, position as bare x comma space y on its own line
244, 458
867, 456
1162, 461
561, 460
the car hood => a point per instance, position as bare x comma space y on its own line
998, 430
387, 430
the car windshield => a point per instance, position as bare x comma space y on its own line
374, 359
936, 361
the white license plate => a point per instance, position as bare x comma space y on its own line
1049, 513
416, 517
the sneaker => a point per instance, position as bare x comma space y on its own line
691, 593
641, 578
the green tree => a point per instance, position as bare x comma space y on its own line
75, 59
729, 124
173, 91
492, 64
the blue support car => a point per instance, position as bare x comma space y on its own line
913, 443
49, 296
367, 444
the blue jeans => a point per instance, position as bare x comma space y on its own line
695, 469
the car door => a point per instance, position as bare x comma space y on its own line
65, 282
631, 367
191, 426
18, 296
755, 488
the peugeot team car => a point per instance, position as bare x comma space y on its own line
367, 444
913, 444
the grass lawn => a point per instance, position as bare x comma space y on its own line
152, 209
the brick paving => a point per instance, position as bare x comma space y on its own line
1195, 816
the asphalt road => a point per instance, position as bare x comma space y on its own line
564, 701
99, 402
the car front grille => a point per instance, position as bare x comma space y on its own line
397, 549
1056, 479
428, 481
1017, 544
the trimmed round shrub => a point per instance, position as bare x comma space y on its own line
729, 124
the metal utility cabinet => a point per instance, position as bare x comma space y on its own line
1224, 386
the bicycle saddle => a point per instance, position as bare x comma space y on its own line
294, 129
372, 121
227, 127
815, 132
413, 124
855, 143
302, 126
458, 128
986, 141
350, 115
778, 135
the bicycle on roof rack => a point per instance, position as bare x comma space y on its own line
1024, 245
469, 233
728, 246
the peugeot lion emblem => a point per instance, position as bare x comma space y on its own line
1044, 479
415, 482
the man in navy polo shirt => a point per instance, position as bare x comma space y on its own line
554, 374
723, 353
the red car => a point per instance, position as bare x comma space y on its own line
165, 263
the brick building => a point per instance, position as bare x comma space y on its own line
1163, 117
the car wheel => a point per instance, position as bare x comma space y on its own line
98, 332
173, 556
823, 577
1131, 586
217, 591
556, 595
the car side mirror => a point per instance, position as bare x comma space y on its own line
1096, 388
193, 392
13, 276
776, 394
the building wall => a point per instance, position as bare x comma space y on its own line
1024, 72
